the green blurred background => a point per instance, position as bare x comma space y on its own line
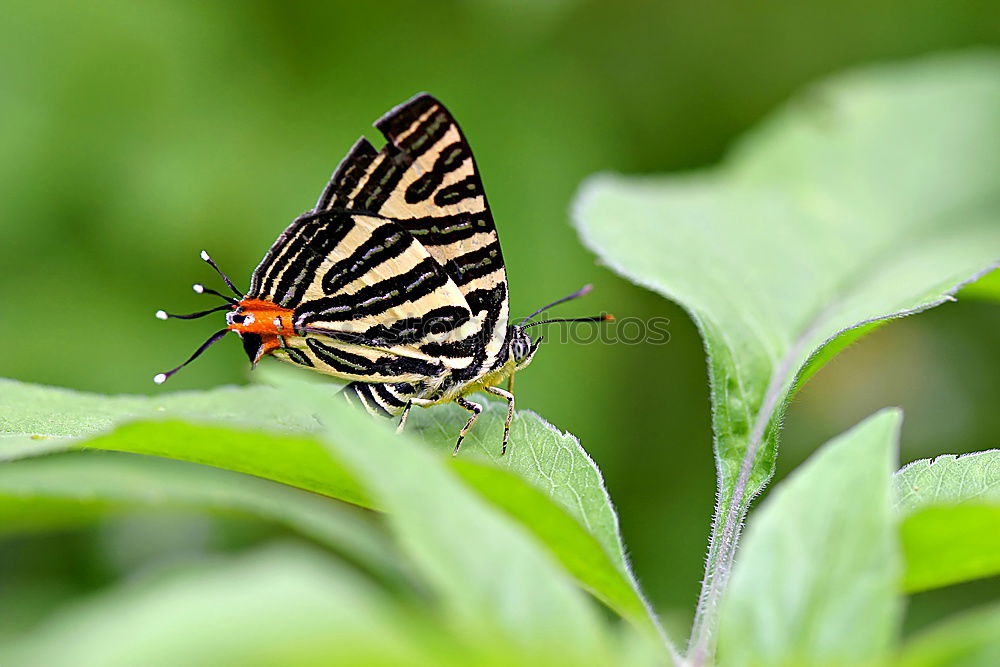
134, 134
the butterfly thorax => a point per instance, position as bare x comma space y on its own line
516, 355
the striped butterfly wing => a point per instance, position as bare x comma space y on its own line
367, 299
425, 179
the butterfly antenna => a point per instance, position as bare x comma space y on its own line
201, 289
604, 317
160, 378
162, 314
575, 295
205, 256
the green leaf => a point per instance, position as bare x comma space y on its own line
971, 639
873, 195
296, 460
281, 605
815, 580
948, 479
492, 579
581, 527
52, 413
547, 481
949, 545
553, 462
59, 490
950, 519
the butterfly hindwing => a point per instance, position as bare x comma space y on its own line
385, 399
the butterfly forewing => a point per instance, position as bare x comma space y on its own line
426, 179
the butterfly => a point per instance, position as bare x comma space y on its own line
394, 281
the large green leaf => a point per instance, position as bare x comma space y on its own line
949, 509
971, 639
547, 481
873, 195
815, 580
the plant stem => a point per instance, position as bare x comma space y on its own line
724, 538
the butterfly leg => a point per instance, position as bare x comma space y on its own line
422, 402
475, 409
509, 397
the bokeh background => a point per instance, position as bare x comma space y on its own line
134, 134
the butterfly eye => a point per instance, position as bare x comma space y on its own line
238, 319
520, 349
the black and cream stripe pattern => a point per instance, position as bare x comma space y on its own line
396, 278
385, 400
